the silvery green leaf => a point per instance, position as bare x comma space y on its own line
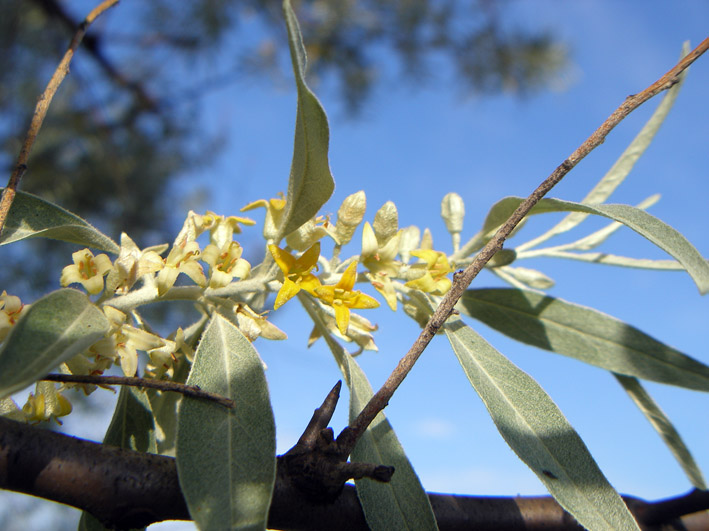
583, 333
664, 427
524, 276
311, 183
55, 328
615, 260
622, 167
537, 431
33, 217
596, 238
648, 226
226, 458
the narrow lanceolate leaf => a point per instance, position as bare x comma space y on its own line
32, 217
131, 427
537, 431
583, 333
658, 232
615, 260
402, 503
226, 458
311, 183
664, 427
55, 328
622, 167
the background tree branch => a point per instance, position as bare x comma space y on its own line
125, 489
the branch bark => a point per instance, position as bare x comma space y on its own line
126, 489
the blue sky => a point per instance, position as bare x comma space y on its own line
412, 146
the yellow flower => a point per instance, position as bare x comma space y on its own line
342, 298
182, 259
11, 308
434, 279
296, 272
87, 270
225, 263
275, 208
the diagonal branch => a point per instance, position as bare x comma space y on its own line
40, 111
462, 279
92, 44
126, 489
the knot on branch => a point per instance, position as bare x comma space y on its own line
317, 465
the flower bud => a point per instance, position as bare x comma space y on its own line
349, 216
386, 222
453, 212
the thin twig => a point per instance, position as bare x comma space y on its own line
192, 391
349, 436
40, 111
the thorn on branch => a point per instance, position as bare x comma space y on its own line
317, 465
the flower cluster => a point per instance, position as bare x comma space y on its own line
141, 276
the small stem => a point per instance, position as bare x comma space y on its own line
40, 111
462, 279
161, 385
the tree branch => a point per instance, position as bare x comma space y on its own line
462, 279
125, 489
40, 111
145, 383
92, 43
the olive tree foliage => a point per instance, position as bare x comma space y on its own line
124, 125
203, 396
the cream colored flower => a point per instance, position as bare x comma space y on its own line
225, 263
222, 228
87, 270
310, 232
132, 263
275, 209
254, 325
123, 342
182, 259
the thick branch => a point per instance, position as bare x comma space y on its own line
127, 489
349, 436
